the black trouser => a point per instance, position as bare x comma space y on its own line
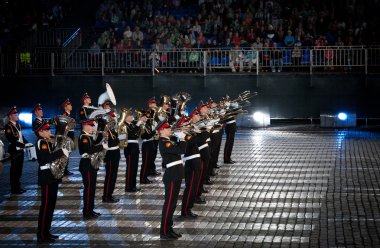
172, 188
220, 137
17, 163
45, 217
147, 150
205, 158
89, 175
214, 149
67, 165
111, 159
131, 153
154, 156
230, 132
192, 173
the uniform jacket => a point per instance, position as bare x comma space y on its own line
171, 152
13, 134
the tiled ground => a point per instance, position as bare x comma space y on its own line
295, 186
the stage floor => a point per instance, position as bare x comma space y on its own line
297, 186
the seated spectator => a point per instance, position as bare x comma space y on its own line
236, 59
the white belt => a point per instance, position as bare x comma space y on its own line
45, 167
113, 148
202, 146
133, 141
216, 131
191, 157
85, 155
145, 140
207, 140
72, 130
174, 163
229, 122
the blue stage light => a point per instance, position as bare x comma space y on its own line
26, 118
342, 116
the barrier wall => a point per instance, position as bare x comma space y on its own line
286, 95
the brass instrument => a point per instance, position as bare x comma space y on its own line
63, 125
180, 99
105, 124
122, 127
139, 114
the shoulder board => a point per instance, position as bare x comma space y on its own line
188, 137
168, 144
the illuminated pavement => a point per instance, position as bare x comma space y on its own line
296, 186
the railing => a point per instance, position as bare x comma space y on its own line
205, 61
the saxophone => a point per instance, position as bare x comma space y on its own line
105, 124
63, 125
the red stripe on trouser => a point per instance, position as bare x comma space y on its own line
109, 179
88, 191
200, 179
43, 217
188, 195
168, 206
144, 165
129, 170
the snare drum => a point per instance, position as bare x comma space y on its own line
31, 153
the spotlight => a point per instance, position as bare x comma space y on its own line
258, 116
342, 116
26, 118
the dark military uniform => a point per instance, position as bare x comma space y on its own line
216, 140
36, 123
49, 185
85, 112
17, 142
193, 164
149, 151
204, 150
112, 160
89, 174
171, 157
230, 126
131, 153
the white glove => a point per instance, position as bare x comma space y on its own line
161, 118
222, 112
105, 146
28, 145
139, 123
65, 152
122, 136
177, 117
180, 135
234, 105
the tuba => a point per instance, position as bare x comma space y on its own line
108, 95
180, 99
122, 128
105, 124
63, 125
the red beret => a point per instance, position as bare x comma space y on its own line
162, 126
37, 107
181, 122
12, 111
201, 105
65, 103
42, 127
106, 103
195, 112
85, 96
150, 101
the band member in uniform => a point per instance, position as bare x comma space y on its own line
148, 147
152, 108
230, 127
132, 151
216, 140
193, 164
86, 109
111, 160
205, 155
17, 143
46, 154
171, 157
67, 107
88, 147
38, 112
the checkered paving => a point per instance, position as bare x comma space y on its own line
291, 186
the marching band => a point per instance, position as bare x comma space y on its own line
189, 146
